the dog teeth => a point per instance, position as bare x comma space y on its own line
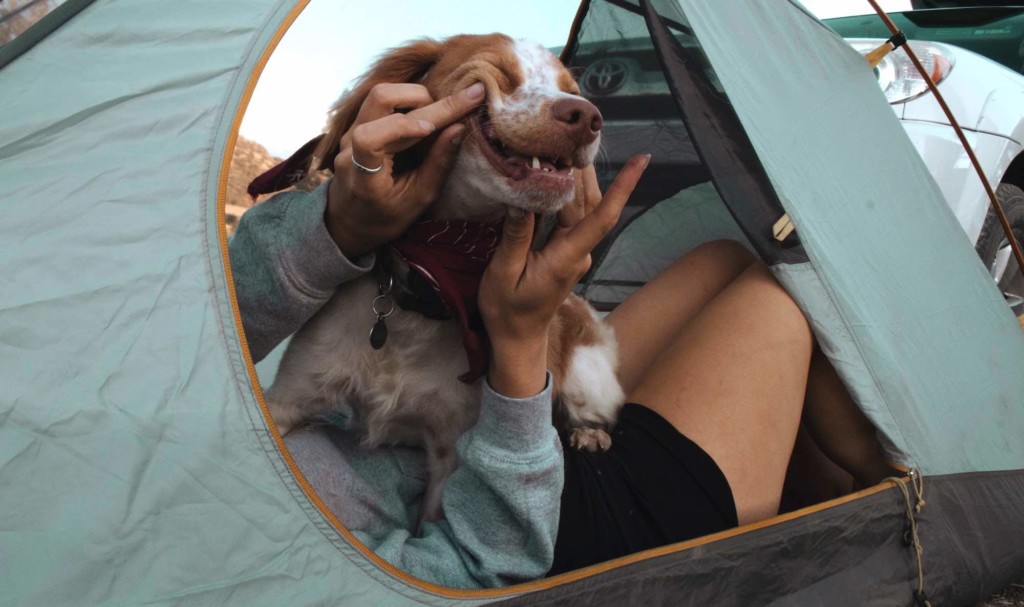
536, 162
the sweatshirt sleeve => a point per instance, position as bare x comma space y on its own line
501, 504
286, 266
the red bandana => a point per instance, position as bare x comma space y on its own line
452, 256
286, 173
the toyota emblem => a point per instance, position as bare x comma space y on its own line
605, 76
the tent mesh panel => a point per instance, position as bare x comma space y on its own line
679, 202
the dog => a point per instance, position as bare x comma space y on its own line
520, 151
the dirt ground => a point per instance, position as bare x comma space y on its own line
1011, 596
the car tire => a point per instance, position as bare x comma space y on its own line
993, 239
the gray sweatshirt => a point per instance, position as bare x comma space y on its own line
501, 505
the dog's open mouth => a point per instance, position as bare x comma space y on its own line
515, 164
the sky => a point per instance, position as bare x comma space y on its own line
331, 44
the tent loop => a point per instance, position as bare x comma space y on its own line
917, 480
895, 41
783, 228
913, 539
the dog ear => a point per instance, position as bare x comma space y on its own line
408, 63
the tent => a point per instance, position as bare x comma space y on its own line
137, 465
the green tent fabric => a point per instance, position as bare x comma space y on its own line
886, 262
136, 463
139, 466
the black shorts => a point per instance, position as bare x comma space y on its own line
653, 487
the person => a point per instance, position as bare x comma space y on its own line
717, 361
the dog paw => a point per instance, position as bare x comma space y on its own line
590, 440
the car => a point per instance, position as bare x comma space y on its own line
975, 54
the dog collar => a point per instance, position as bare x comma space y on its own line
446, 261
450, 258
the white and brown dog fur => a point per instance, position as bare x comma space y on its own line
520, 152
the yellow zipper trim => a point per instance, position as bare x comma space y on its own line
579, 574
420, 584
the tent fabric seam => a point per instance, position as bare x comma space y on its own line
634, 559
337, 535
217, 167
234, 350
235, 346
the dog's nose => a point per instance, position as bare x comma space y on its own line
581, 119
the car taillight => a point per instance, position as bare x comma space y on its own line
897, 76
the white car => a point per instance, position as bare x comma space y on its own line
985, 96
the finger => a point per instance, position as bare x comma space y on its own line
388, 135
581, 239
386, 98
587, 196
510, 257
448, 109
396, 132
373, 144
572, 213
591, 189
430, 177
366, 186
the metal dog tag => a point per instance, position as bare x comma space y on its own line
383, 305
378, 334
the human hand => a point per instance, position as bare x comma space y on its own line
522, 289
588, 195
365, 210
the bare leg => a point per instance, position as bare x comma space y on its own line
812, 477
733, 381
718, 349
839, 427
651, 319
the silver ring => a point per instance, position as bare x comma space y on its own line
382, 313
366, 169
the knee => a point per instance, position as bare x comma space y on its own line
759, 282
729, 256
708, 267
775, 306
